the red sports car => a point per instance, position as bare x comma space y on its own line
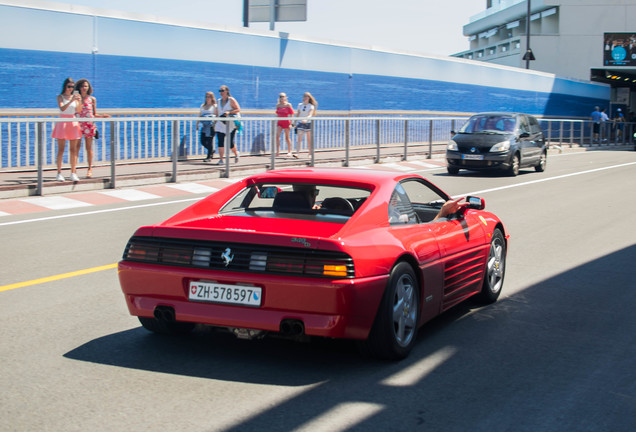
339, 253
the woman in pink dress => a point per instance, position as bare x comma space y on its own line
69, 104
283, 109
88, 110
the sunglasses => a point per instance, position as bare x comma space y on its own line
222, 91
70, 86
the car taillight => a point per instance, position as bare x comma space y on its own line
334, 270
141, 252
239, 257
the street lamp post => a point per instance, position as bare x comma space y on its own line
528, 55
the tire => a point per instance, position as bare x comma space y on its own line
543, 160
452, 170
495, 269
514, 166
166, 327
394, 331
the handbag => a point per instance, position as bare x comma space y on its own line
96, 134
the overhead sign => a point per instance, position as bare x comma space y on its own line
284, 10
619, 49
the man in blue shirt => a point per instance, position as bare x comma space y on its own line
596, 118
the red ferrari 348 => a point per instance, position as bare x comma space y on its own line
338, 253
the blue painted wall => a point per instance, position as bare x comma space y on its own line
137, 64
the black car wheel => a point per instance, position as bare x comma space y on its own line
395, 328
495, 268
452, 170
543, 160
514, 165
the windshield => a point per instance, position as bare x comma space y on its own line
311, 201
489, 124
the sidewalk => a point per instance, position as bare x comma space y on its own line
20, 184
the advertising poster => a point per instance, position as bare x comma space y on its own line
619, 49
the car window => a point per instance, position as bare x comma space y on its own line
400, 208
424, 200
493, 123
523, 124
535, 127
310, 201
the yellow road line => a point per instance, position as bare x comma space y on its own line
57, 277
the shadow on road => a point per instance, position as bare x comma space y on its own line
558, 356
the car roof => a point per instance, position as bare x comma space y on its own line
349, 176
497, 113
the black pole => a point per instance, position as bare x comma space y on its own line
246, 13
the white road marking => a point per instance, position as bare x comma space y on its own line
56, 202
545, 179
193, 187
398, 167
424, 164
89, 213
130, 194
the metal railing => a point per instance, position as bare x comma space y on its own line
26, 143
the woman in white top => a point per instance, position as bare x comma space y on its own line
227, 106
306, 110
208, 109
69, 104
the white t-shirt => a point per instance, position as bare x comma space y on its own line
305, 111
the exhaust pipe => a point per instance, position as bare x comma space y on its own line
292, 327
164, 313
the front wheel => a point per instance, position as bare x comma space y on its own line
452, 170
514, 166
543, 160
395, 328
495, 269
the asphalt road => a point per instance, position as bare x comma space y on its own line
556, 353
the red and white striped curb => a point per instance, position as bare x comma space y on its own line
144, 193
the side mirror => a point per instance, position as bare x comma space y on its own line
453, 133
267, 192
476, 203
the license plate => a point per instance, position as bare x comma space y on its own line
472, 157
227, 294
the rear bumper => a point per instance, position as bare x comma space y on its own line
342, 308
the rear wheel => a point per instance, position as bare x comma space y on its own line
495, 269
395, 328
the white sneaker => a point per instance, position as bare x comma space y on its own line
59, 177
236, 157
74, 177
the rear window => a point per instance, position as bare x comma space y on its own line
309, 201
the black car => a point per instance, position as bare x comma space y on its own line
497, 140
